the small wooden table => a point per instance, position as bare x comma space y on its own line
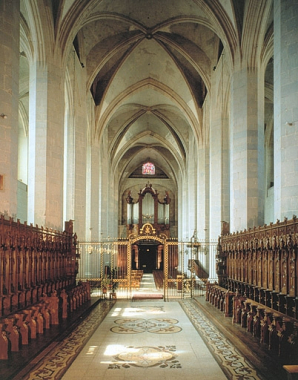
292, 371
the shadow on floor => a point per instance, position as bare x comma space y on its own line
266, 362
20, 363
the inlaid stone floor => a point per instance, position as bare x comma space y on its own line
149, 339
145, 340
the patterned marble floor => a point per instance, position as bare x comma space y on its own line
144, 340
232, 362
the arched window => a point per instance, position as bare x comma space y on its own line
148, 168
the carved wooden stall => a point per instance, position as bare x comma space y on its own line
258, 284
38, 288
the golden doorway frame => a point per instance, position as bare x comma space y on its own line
147, 232
96, 256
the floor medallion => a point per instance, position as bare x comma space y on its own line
146, 356
139, 325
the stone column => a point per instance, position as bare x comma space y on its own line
216, 151
46, 141
182, 207
69, 161
191, 199
80, 174
113, 200
104, 187
203, 198
9, 103
77, 153
285, 108
203, 191
95, 164
247, 150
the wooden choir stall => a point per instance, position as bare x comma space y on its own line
258, 282
38, 287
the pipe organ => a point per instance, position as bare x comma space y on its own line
148, 209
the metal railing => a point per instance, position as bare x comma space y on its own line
99, 260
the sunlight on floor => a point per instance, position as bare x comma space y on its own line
115, 349
116, 312
137, 311
91, 350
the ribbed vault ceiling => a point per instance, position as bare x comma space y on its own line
148, 67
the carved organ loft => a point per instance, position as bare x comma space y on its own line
148, 209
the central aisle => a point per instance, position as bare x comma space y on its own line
147, 283
145, 340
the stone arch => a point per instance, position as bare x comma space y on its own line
147, 237
192, 119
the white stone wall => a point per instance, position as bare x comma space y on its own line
285, 108
247, 159
22, 202
224, 173
46, 144
9, 98
94, 200
77, 151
